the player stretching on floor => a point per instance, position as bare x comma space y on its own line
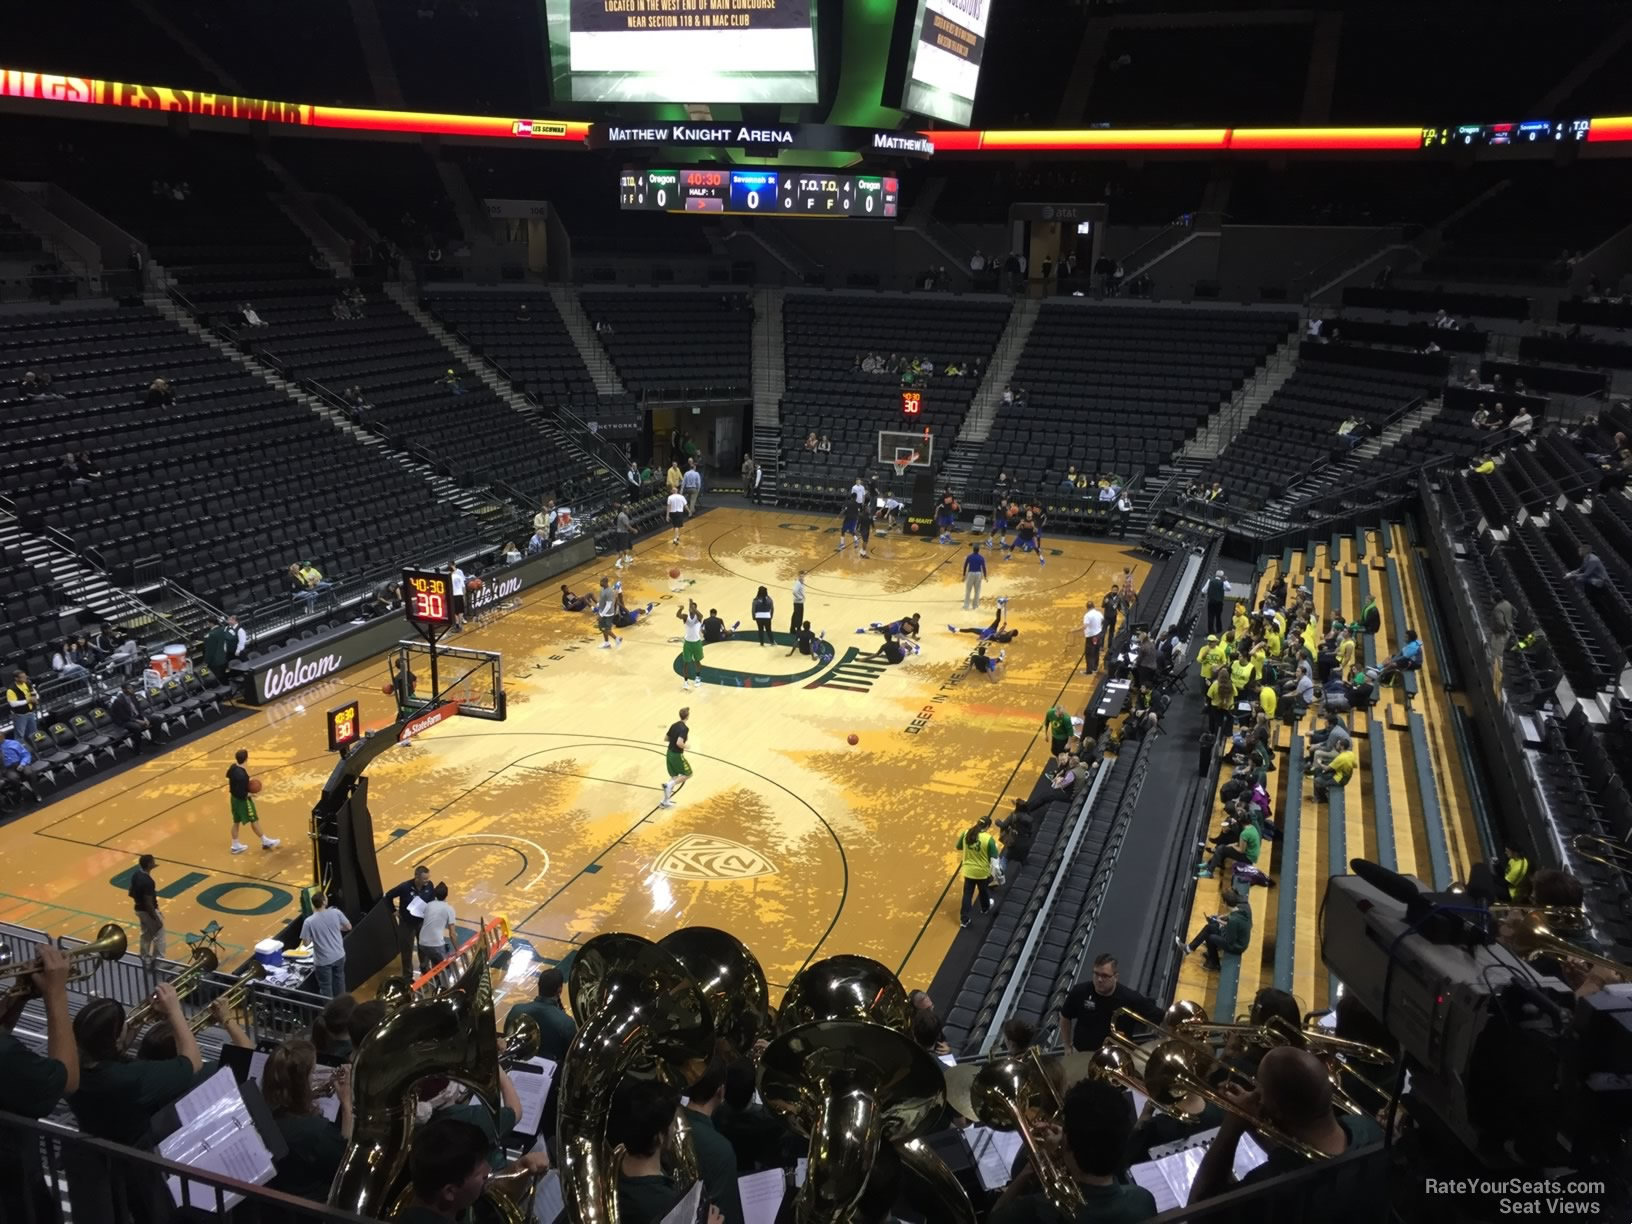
984, 663
691, 650
623, 618
675, 759
998, 630
905, 629
575, 603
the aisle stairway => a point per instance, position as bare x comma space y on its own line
770, 378
586, 341
959, 459
1407, 807
1234, 415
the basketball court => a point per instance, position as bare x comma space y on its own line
786, 835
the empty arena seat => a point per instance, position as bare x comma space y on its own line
684, 344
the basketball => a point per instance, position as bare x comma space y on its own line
674, 573
388, 688
254, 786
854, 739
473, 585
912, 528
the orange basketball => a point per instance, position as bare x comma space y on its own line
388, 688
854, 739
254, 786
912, 528
674, 573
473, 585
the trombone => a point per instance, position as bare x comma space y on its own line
1605, 851
1527, 934
1177, 1068
109, 945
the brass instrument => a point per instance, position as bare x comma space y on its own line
1527, 934
738, 1002
1019, 1093
1605, 851
1562, 919
109, 945
452, 1034
395, 992
848, 1083
203, 964
1124, 1061
638, 1012
853, 987
1177, 1068
229, 1000
521, 1039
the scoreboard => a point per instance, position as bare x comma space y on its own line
791, 193
1495, 135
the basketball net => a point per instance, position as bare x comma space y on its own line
901, 465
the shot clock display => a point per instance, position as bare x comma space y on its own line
912, 403
426, 596
791, 193
345, 727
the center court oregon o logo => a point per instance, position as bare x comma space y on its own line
853, 672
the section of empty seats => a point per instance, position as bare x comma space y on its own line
680, 344
1117, 389
524, 334
217, 477
1333, 401
848, 356
29, 617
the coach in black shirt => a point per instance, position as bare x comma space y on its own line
407, 923
1085, 1016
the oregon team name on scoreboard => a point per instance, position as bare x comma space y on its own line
796, 193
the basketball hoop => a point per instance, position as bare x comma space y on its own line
901, 465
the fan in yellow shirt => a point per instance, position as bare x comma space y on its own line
1268, 700
1345, 653
1240, 624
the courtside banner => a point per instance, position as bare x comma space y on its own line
89, 91
302, 664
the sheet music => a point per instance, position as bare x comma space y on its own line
416, 907
994, 1152
685, 1211
1175, 1166
548, 1203
762, 1195
216, 1136
950, 1060
532, 1087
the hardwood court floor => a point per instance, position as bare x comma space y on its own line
800, 844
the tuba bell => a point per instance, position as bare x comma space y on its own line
521, 1039
848, 1083
451, 1034
638, 1012
738, 1002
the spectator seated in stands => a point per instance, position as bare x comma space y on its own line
1336, 772
1243, 849
1482, 465
1353, 431
1301, 688
251, 318
306, 582
159, 391
356, 402
1590, 575
812, 442
1494, 418
80, 468
18, 767
825, 446
37, 386
1230, 931
1409, 659
65, 659
452, 381
1326, 743
1522, 422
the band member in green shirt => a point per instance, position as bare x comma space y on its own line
116, 1099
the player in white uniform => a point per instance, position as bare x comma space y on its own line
691, 650
677, 513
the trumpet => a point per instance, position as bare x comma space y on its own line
229, 1000
203, 964
109, 945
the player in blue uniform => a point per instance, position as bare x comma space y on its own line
847, 526
946, 514
1000, 524
998, 630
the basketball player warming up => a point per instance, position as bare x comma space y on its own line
675, 758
